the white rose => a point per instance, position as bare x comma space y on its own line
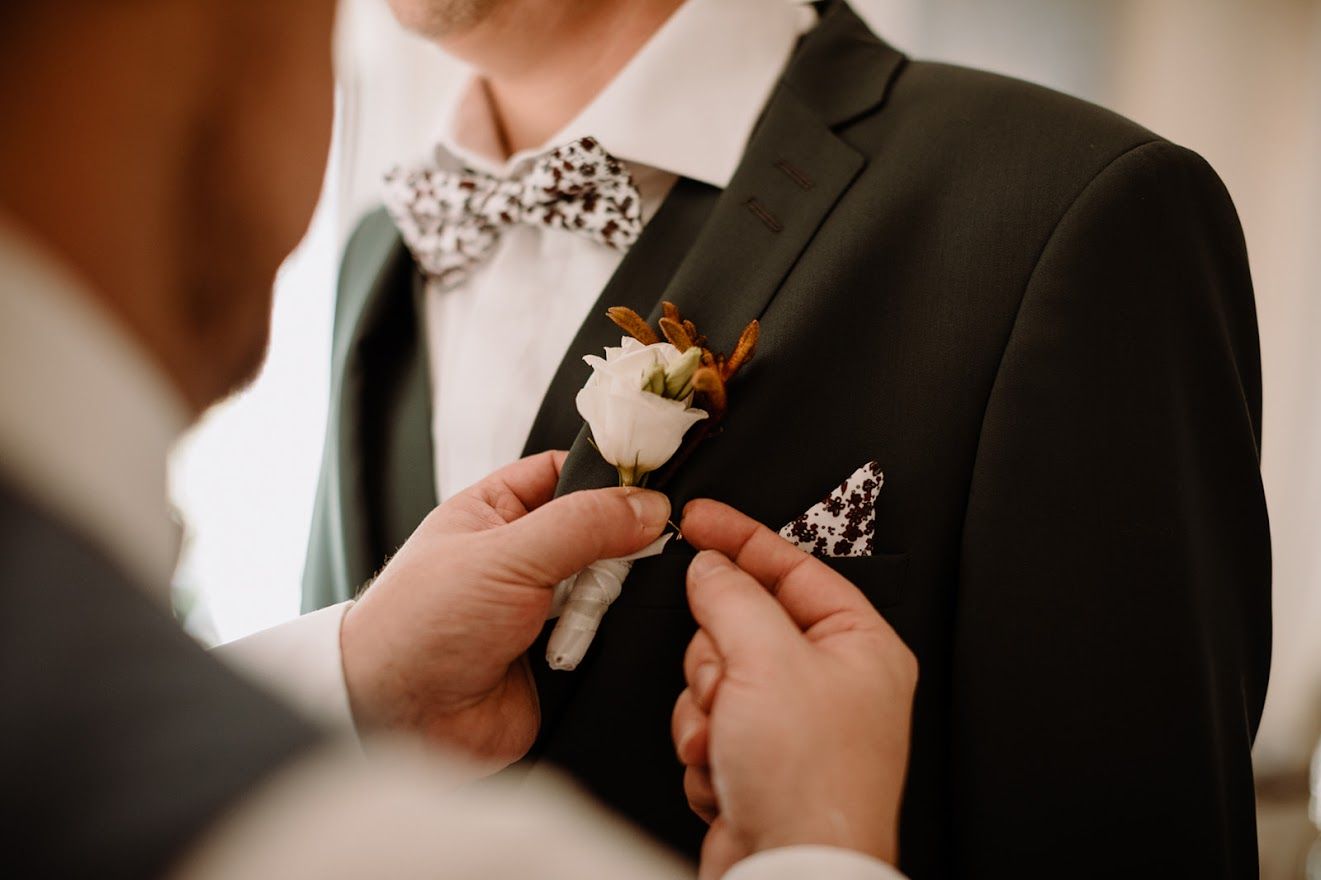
635, 430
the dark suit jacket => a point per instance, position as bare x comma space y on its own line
1037, 316
121, 740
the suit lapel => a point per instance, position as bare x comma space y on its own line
794, 171
385, 464
406, 461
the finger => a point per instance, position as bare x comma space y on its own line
701, 794
809, 590
689, 727
702, 669
743, 620
566, 535
722, 849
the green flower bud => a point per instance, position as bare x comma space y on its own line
679, 377
654, 380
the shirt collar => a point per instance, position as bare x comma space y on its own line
86, 419
685, 104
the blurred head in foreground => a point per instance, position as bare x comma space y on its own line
174, 166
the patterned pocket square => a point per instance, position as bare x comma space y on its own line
844, 524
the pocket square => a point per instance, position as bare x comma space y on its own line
844, 523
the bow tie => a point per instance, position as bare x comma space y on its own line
452, 220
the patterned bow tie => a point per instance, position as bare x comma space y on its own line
452, 220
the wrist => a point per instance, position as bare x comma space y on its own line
360, 680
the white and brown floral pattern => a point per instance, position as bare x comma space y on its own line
844, 524
452, 220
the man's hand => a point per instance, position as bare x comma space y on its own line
794, 727
437, 644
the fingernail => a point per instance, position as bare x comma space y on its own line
651, 508
683, 516
704, 680
706, 563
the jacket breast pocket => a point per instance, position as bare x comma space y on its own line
660, 582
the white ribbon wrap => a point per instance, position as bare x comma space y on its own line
581, 602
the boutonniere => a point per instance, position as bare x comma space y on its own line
648, 403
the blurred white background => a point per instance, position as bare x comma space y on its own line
1237, 80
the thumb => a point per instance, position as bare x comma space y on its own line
566, 535
742, 618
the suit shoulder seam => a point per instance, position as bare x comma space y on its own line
1068, 212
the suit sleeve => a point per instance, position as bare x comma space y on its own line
122, 740
1112, 631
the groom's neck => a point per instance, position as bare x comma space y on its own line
544, 62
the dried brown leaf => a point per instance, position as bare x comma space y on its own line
743, 352
633, 324
676, 334
709, 383
698, 339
